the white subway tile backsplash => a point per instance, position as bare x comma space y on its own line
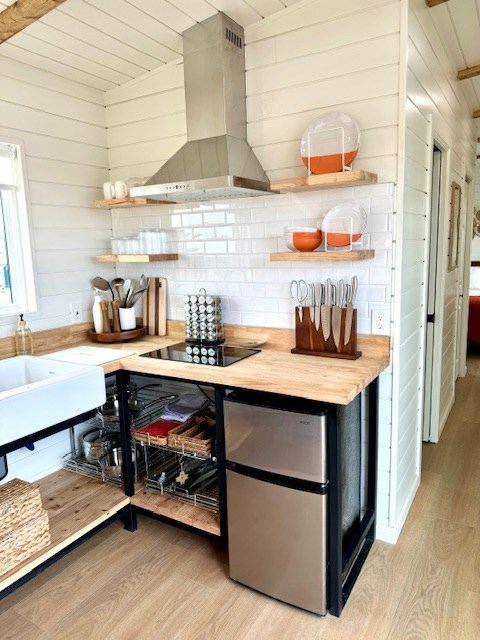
204, 233
191, 219
226, 233
216, 246
239, 246
214, 217
225, 247
238, 217
266, 245
193, 247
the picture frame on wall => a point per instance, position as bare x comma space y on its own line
454, 236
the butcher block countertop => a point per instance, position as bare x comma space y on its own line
274, 369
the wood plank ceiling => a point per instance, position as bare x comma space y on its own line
105, 43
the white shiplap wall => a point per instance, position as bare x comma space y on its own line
312, 58
432, 93
62, 127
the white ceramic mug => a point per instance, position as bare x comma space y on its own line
121, 190
128, 319
108, 190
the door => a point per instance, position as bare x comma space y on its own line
277, 540
431, 400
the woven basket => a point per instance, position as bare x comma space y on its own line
195, 435
20, 501
22, 542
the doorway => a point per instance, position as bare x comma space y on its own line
431, 389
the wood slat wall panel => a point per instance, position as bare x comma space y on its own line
160, 128
416, 176
36, 123
120, 37
65, 42
36, 61
372, 83
428, 51
53, 102
318, 67
63, 132
349, 29
165, 102
39, 78
60, 56
64, 172
294, 18
50, 149
169, 76
136, 153
369, 114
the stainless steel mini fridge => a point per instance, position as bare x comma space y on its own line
277, 491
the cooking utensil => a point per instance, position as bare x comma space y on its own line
102, 285
97, 442
311, 302
135, 405
111, 462
299, 292
325, 310
352, 292
337, 312
117, 283
318, 303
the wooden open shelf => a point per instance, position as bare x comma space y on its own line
323, 256
76, 505
178, 510
324, 181
126, 203
138, 257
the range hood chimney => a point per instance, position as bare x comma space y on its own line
216, 161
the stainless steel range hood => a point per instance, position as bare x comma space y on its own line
216, 161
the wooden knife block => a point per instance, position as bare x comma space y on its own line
309, 341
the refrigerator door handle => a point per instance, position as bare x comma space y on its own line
320, 488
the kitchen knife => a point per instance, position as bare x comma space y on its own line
337, 312
351, 293
325, 309
318, 303
311, 300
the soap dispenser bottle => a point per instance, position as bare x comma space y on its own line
23, 338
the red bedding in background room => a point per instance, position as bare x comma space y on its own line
474, 319
474, 304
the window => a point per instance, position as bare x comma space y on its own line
17, 290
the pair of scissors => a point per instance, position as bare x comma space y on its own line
299, 292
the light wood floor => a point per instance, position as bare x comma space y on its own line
163, 584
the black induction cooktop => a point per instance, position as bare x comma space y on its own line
215, 355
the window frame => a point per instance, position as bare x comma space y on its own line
18, 238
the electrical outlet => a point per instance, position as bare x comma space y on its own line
381, 322
76, 315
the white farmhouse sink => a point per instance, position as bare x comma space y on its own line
36, 393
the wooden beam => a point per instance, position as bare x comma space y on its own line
476, 114
469, 72
433, 3
22, 13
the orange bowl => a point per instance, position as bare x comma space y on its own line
341, 239
306, 241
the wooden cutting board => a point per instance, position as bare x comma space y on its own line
155, 307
